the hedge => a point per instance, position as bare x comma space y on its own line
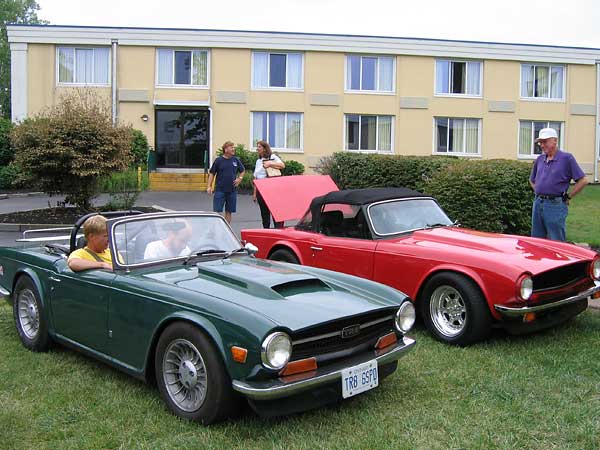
486, 195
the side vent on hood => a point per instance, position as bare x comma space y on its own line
301, 287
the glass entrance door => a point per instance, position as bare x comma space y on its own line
182, 138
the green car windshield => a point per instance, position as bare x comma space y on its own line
151, 239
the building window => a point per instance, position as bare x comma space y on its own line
369, 73
277, 70
83, 65
369, 133
457, 136
529, 130
182, 67
458, 77
542, 81
282, 130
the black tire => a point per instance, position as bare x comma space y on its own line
199, 374
284, 255
454, 309
30, 320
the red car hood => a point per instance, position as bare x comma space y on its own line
288, 198
518, 252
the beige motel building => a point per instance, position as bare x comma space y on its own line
310, 95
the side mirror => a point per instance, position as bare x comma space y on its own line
251, 248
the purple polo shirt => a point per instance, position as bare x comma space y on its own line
552, 177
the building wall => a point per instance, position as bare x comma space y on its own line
323, 101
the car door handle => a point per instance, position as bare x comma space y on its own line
316, 249
53, 278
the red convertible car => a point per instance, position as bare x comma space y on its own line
463, 282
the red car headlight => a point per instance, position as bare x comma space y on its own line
524, 287
595, 269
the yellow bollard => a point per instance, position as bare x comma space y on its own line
139, 187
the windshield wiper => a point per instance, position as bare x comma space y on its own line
223, 254
435, 225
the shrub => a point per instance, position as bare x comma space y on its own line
123, 188
8, 175
293, 168
490, 195
6, 152
139, 148
359, 170
67, 148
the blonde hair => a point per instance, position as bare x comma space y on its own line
227, 144
94, 225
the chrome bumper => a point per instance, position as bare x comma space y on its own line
294, 384
515, 312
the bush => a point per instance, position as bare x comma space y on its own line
70, 146
6, 152
139, 148
8, 176
490, 195
359, 170
293, 168
123, 188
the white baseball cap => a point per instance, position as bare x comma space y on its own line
546, 133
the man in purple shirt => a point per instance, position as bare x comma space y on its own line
550, 179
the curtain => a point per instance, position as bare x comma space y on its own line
556, 82
525, 138
66, 61
474, 78
386, 74
259, 127
165, 66
542, 81
101, 65
261, 69
457, 130
84, 65
199, 68
442, 76
294, 70
527, 80
471, 136
556, 126
277, 130
294, 127
384, 125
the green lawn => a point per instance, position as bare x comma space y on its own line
535, 392
583, 222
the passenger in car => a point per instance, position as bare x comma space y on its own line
95, 255
179, 234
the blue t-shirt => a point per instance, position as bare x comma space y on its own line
226, 170
552, 177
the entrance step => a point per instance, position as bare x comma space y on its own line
160, 181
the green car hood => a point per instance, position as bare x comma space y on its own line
283, 293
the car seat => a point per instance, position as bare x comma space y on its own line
332, 223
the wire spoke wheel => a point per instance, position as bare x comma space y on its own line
185, 375
28, 313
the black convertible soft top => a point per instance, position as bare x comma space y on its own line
358, 197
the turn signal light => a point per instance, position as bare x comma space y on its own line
596, 294
239, 354
528, 317
302, 365
386, 340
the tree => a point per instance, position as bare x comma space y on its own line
12, 11
68, 147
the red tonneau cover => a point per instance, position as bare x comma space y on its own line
288, 198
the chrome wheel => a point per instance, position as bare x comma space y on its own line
28, 314
448, 311
185, 375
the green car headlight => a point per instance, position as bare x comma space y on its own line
405, 317
276, 350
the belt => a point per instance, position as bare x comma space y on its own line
548, 197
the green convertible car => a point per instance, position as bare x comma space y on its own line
211, 325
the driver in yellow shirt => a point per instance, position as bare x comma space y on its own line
95, 255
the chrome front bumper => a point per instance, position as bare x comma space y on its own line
294, 384
515, 312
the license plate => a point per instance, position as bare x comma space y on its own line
359, 378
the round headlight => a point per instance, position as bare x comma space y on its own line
525, 287
276, 350
405, 317
596, 269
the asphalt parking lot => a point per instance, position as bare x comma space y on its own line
247, 215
